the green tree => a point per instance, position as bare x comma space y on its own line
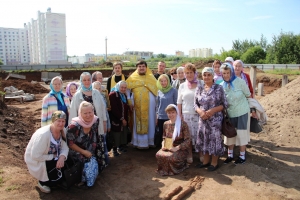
286, 49
161, 55
1, 63
254, 55
231, 53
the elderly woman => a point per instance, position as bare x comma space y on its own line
83, 138
238, 66
185, 103
217, 73
47, 151
166, 95
237, 92
173, 160
180, 78
85, 92
119, 116
209, 102
71, 90
53, 101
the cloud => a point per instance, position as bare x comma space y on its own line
262, 17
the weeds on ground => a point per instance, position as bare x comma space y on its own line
1, 181
12, 187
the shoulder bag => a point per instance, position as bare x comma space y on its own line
228, 129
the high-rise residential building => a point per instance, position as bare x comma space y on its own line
47, 38
201, 53
14, 49
192, 53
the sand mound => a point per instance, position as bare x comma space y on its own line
284, 102
283, 110
27, 87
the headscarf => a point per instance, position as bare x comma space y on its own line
57, 94
177, 127
232, 74
243, 76
82, 87
160, 87
95, 83
209, 70
80, 120
59, 114
195, 80
117, 89
68, 92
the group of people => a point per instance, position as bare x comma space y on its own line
155, 109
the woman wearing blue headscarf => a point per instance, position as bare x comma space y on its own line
119, 116
85, 92
237, 92
53, 101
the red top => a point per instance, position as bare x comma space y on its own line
249, 84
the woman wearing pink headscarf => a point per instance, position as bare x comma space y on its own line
83, 138
238, 66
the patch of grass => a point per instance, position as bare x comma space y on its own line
283, 71
12, 187
1, 181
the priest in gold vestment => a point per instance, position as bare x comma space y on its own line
142, 84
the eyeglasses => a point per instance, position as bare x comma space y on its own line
59, 173
173, 73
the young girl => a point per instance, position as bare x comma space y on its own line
218, 76
173, 160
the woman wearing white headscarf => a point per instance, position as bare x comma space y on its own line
173, 160
85, 92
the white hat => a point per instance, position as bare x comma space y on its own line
229, 59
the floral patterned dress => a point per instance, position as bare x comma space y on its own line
91, 142
170, 163
209, 139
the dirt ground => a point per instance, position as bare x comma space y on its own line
272, 170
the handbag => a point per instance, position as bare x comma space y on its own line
228, 129
73, 174
90, 171
255, 126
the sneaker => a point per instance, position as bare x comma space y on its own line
239, 161
228, 160
44, 188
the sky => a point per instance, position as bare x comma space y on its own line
159, 26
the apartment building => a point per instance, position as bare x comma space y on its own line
201, 53
14, 49
47, 38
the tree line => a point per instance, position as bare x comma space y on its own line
283, 49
